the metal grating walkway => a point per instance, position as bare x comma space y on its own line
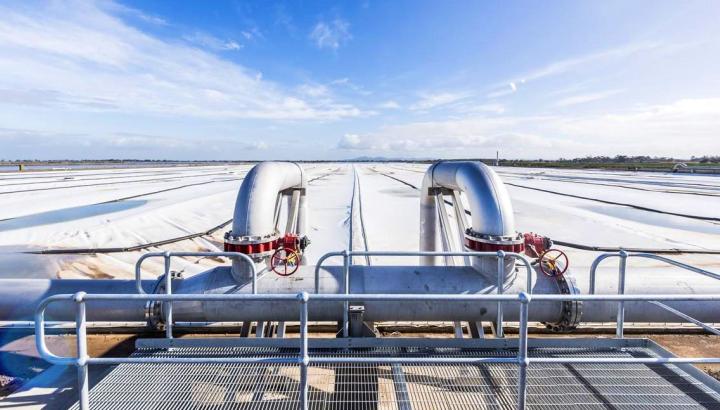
401, 387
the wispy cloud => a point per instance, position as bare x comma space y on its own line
586, 98
502, 91
428, 101
567, 65
354, 142
390, 105
135, 13
43, 144
563, 66
471, 107
649, 130
252, 33
86, 58
213, 43
314, 90
284, 19
345, 82
331, 34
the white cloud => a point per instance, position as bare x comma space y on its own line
314, 90
345, 82
680, 129
563, 66
211, 42
585, 98
500, 93
81, 57
331, 34
125, 140
432, 100
260, 145
390, 105
135, 13
54, 145
354, 141
252, 33
567, 65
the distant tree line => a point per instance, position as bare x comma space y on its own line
617, 160
705, 159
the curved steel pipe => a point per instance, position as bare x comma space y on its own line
257, 200
489, 201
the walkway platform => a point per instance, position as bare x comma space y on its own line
404, 386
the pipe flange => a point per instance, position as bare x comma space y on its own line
250, 239
475, 241
257, 246
153, 308
571, 309
497, 239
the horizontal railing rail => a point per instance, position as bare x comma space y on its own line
167, 256
500, 255
303, 359
622, 273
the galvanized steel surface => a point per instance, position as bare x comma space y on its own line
403, 386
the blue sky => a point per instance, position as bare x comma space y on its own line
326, 80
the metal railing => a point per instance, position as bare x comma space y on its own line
347, 263
622, 272
168, 308
303, 359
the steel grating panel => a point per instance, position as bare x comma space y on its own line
401, 387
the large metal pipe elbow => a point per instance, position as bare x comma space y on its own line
254, 213
492, 213
257, 202
489, 201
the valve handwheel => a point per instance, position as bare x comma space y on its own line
554, 262
285, 261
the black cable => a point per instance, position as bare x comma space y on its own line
142, 195
129, 248
111, 183
642, 208
75, 251
589, 247
662, 191
641, 250
80, 178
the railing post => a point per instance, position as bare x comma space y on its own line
254, 278
619, 330
500, 282
82, 356
522, 357
168, 291
346, 283
304, 359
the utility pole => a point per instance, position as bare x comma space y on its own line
497, 158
